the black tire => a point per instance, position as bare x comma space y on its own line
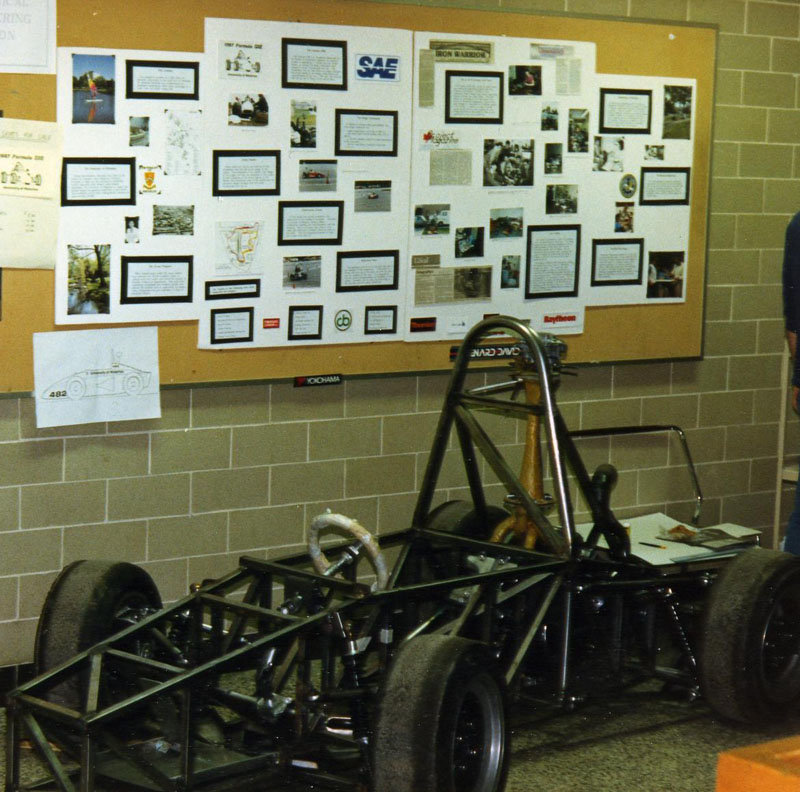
750, 649
460, 517
441, 723
88, 602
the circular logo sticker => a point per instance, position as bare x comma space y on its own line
343, 320
627, 185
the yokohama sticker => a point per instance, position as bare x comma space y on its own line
318, 379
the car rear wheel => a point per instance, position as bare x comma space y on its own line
441, 720
750, 652
462, 518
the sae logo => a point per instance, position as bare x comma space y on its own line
381, 68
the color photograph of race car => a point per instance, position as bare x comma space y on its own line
317, 175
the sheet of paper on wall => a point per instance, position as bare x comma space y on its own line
86, 376
492, 165
30, 165
28, 36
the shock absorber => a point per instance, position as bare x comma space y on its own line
352, 678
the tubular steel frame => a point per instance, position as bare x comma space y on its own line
313, 649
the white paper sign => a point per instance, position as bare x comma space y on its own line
28, 36
85, 376
30, 166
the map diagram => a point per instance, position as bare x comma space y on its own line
183, 142
236, 247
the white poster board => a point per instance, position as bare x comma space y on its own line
308, 129
131, 185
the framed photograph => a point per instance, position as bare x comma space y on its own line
173, 220
380, 320
314, 63
366, 133
578, 130
468, 242
553, 261
231, 325
233, 289
302, 272
254, 172
303, 124
665, 274
98, 181
89, 281
625, 111
317, 175
505, 223
157, 79
367, 270
155, 279
305, 322
617, 262
473, 97
310, 222
525, 80
372, 196
508, 162
609, 153
664, 186
677, 112
94, 80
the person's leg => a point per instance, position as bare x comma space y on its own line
791, 543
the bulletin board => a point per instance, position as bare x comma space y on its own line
611, 333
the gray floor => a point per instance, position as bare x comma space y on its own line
641, 743
638, 744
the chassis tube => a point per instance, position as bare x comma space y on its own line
563, 675
649, 429
532, 343
12, 747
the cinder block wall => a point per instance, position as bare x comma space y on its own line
246, 467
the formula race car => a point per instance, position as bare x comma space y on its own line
390, 664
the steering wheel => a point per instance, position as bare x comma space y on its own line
348, 525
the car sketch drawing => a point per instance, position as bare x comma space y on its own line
116, 379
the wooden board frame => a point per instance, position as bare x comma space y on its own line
611, 333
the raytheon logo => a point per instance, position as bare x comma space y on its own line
559, 318
319, 379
